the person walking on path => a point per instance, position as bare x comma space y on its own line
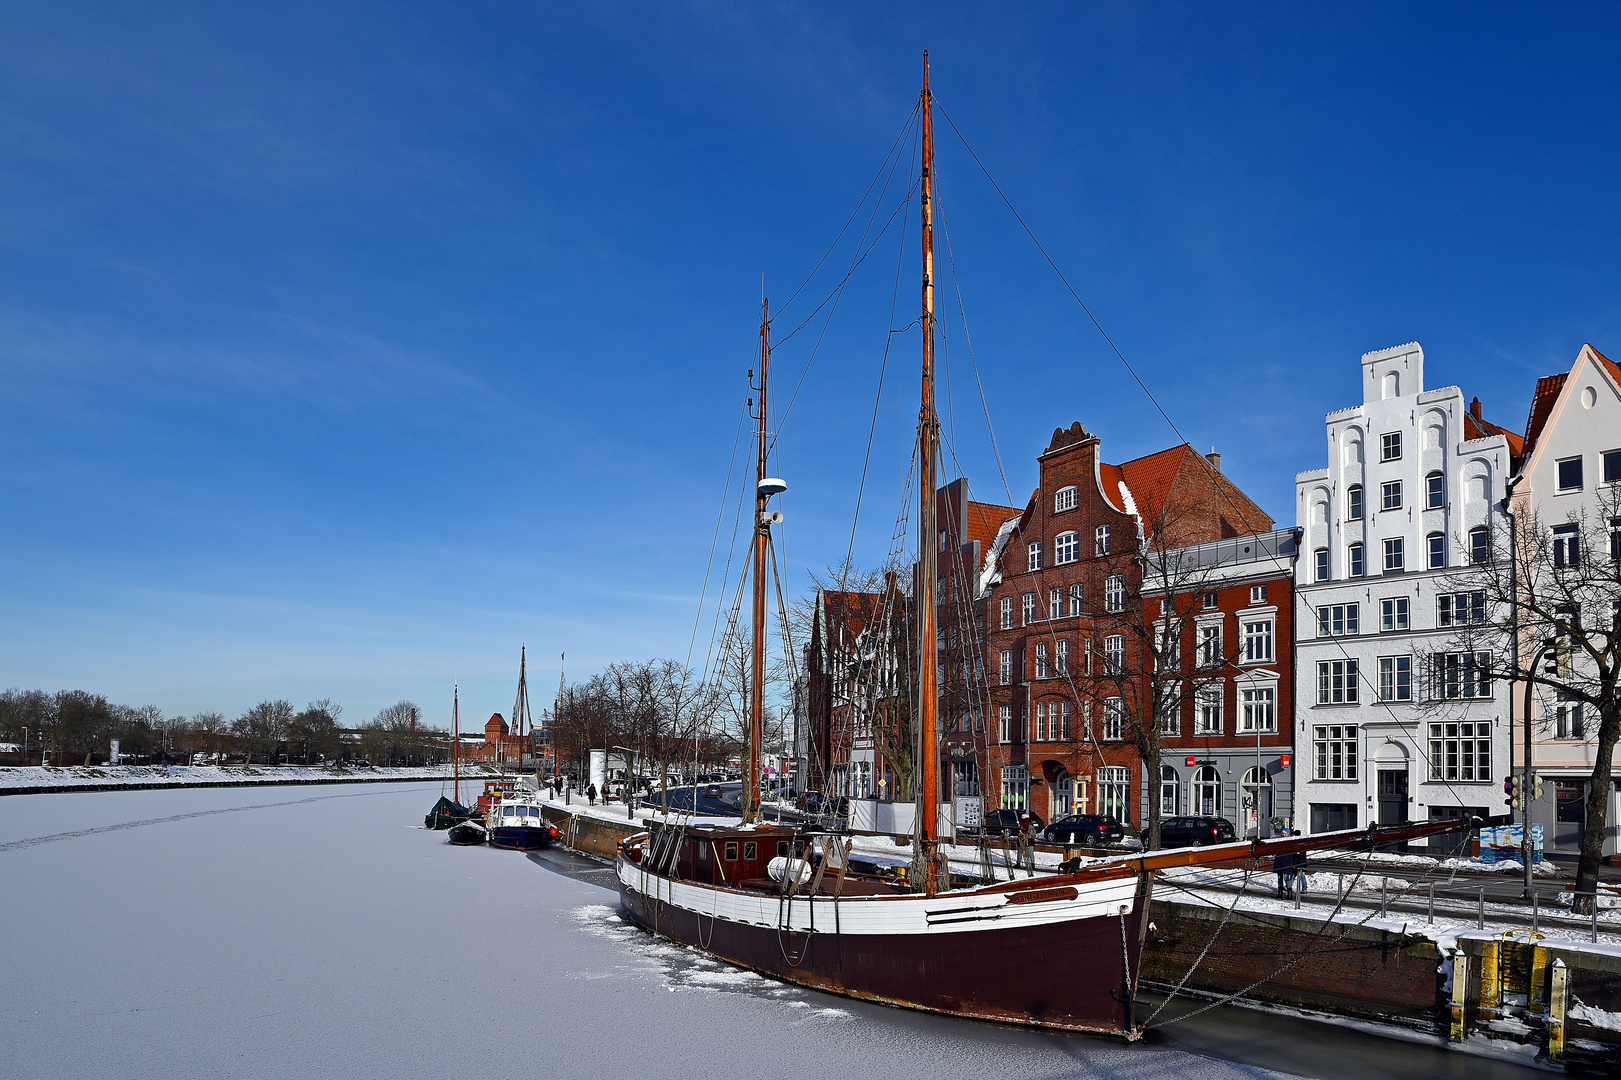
591, 793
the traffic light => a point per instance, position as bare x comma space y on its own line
1536, 792
1516, 792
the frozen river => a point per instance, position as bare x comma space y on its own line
308, 932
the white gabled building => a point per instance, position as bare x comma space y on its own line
1414, 482
1571, 483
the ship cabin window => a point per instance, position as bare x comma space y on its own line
731, 851
751, 851
782, 848
703, 853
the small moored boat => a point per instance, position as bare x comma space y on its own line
517, 824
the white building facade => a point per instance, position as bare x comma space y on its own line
1571, 484
1390, 727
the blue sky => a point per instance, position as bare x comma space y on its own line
344, 347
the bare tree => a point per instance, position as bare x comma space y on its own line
1557, 586
264, 725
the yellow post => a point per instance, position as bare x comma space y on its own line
1536, 999
1558, 1000
1460, 992
1490, 980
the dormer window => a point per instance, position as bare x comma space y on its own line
1066, 498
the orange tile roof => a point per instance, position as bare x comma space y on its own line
1548, 388
1152, 479
1475, 427
985, 521
1615, 368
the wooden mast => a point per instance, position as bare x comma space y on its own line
926, 855
456, 739
762, 535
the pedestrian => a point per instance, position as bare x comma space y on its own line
591, 793
1284, 866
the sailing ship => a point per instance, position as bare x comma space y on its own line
788, 902
448, 813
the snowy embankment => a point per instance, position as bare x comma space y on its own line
34, 779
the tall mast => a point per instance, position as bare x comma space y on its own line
926, 851
521, 702
762, 536
456, 738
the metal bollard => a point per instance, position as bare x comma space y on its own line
1480, 911
1339, 890
1384, 896
1595, 916
1432, 904
1536, 913
1558, 1002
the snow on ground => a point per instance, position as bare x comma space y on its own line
305, 932
72, 776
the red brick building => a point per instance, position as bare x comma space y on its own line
499, 744
1063, 606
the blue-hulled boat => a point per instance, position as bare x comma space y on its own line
517, 824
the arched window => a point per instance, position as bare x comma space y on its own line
1436, 555
1435, 491
1114, 792
1066, 547
1167, 791
1206, 792
1066, 498
1480, 545
1063, 795
1256, 793
1353, 503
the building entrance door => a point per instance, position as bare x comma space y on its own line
1392, 796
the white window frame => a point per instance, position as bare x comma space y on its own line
1461, 608
1258, 709
1390, 495
1114, 719
1461, 751
1077, 598
1100, 540
1206, 789
1356, 560
1028, 608
1207, 709
1043, 668
1114, 792
1395, 555
1066, 498
1168, 785
1257, 636
1114, 654
1394, 614
1007, 612
1114, 593
1461, 676
1004, 669
1066, 547
1337, 682
1561, 488
1004, 723
1061, 656
1033, 556
1390, 446
1435, 490
1335, 751
1395, 678
1355, 507
1211, 654
1435, 556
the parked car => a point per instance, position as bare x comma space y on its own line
1093, 830
810, 802
1006, 820
1193, 832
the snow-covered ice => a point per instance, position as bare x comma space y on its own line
309, 932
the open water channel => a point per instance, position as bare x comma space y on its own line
320, 931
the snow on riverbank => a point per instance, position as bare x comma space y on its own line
100, 777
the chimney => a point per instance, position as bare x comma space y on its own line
1474, 408
1214, 459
